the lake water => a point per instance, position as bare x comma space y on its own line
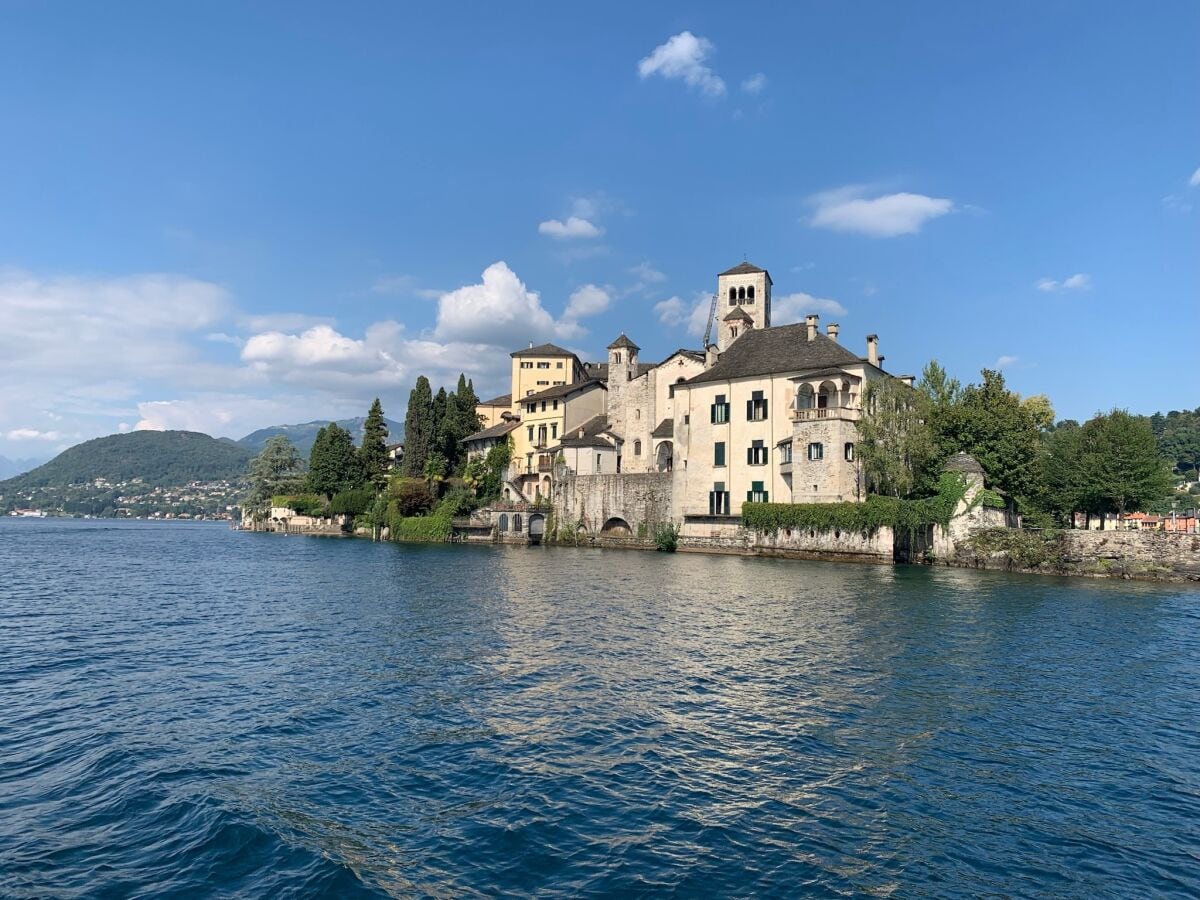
189, 711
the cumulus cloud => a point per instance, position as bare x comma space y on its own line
1080, 281
574, 227
755, 84
850, 209
676, 311
499, 310
32, 434
585, 301
794, 307
683, 58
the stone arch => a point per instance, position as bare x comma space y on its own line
806, 397
750, 292
827, 395
545, 488
732, 296
503, 523
664, 456
617, 527
741, 293
537, 525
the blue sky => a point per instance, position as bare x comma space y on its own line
222, 216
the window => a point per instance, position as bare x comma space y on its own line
504, 521
553, 429
718, 500
719, 411
558, 383
558, 365
785, 452
848, 450
733, 331
516, 522
719, 453
756, 494
531, 432
544, 383
756, 407
756, 454
528, 393
741, 293
671, 391
816, 451
750, 293
555, 405
526, 365
687, 418
637, 448
617, 358
543, 406
541, 439
543, 365
733, 296
598, 462
637, 414
531, 407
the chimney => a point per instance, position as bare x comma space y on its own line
873, 349
531, 345
832, 330
710, 356
812, 326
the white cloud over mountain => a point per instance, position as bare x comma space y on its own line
683, 58
850, 209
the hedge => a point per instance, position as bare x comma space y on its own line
301, 504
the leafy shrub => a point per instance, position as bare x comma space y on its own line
352, 503
411, 496
666, 538
435, 527
989, 498
1026, 549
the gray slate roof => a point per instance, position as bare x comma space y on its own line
665, 429
591, 430
746, 268
495, 431
502, 400
563, 390
769, 351
962, 462
542, 350
621, 342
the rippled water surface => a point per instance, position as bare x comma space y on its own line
189, 711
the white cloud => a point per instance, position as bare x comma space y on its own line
1077, 282
675, 311
755, 83
32, 434
646, 274
849, 209
794, 307
683, 57
585, 301
1005, 362
1194, 181
282, 321
498, 311
574, 227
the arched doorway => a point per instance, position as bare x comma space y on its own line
546, 486
537, 527
664, 456
616, 527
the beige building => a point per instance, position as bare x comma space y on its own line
491, 411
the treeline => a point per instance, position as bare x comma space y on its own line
434, 427
1111, 463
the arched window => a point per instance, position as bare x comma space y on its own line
637, 414
516, 522
741, 293
849, 451
637, 448
617, 357
732, 296
750, 292
504, 521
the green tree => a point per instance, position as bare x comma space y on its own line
373, 455
418, 428
436, 468
458, 420
989, 422
333, 464
895, 446
441, 404
277, 470
1122, 470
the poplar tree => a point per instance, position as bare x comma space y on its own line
334, 464
372, 454
419, 429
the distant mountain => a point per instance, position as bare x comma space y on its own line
304, 435
159, 458
12, 467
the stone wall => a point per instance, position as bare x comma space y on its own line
620, 502
1146, 555
727, 537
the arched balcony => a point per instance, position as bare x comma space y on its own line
828, 397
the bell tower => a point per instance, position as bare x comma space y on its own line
745, 287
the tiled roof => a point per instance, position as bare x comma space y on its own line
587, 435
542, 350
746, 268
623, 342
494, 432
769, 351
563, 390
502, 400
665, 429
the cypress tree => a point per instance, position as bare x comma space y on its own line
441, 405
418, 428
318, 458
373, 452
